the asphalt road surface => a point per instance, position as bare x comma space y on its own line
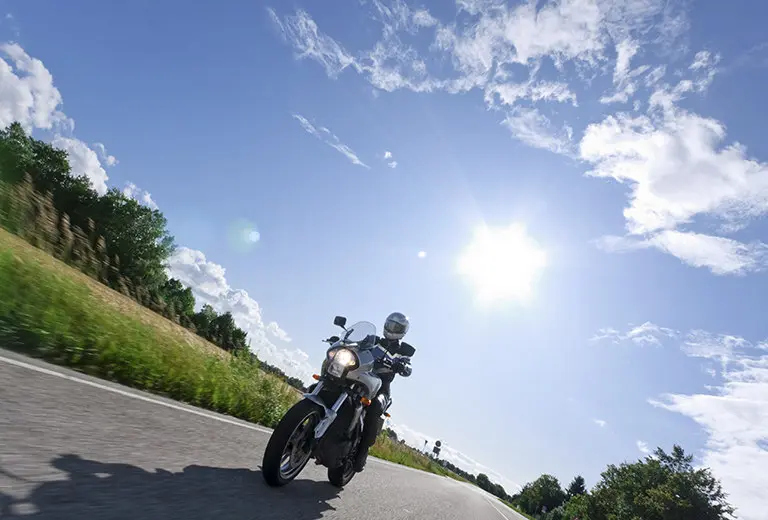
76, 447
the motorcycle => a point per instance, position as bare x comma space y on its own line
327, 424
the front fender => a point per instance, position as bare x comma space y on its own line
330, 412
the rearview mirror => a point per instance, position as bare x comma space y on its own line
340, 321
406, 349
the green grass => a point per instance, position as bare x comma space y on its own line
52, 311
387, 449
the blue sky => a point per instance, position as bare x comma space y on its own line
625, 139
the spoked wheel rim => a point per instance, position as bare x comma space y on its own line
297, 450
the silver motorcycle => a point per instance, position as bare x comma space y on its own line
327, 424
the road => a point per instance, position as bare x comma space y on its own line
75, 447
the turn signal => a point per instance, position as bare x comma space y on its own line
387, 415
365, 401
316, 377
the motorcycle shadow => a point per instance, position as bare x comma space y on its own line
99, 490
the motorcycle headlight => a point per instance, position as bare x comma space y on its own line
342, 360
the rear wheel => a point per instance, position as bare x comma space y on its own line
290, 446
341, 476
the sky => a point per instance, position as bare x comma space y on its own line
566, 198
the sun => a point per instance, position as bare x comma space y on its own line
502, 264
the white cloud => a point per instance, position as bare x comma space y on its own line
29, 97
303, 33
482, 48
416, 440
390, 160
722, 256
643, 447
510, 93
535, 129
734, 416
422, 254
679, 170
330, 139
646, 334
139, 195
601, 423
209, 285
624, 78
27, 93
101, 150
83, 161
706, 63
274, 329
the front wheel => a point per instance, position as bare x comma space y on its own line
290, 446
341, 476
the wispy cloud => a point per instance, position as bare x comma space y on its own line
535, 129
721, 255
482, 49
643, 447
601, 423
330, 139
734, 414
653, 152
646, 334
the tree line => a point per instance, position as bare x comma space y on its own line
662, 486
110, 237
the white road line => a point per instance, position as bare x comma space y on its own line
191, 410
130, 394
497, 509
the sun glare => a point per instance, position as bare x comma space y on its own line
502, 263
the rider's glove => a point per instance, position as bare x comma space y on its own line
400, 366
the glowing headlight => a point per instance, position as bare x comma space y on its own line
341, 360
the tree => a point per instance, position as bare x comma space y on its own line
544, 492
660, 487
137, 234
203, 320
577, 508
576, 487
181, 297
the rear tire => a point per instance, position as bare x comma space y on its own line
341, 476
295, 432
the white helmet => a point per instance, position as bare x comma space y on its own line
396, 326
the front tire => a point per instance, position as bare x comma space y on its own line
290, 446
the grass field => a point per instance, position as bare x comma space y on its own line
52, 311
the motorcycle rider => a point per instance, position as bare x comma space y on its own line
395, 328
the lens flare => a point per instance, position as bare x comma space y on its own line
243, 235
